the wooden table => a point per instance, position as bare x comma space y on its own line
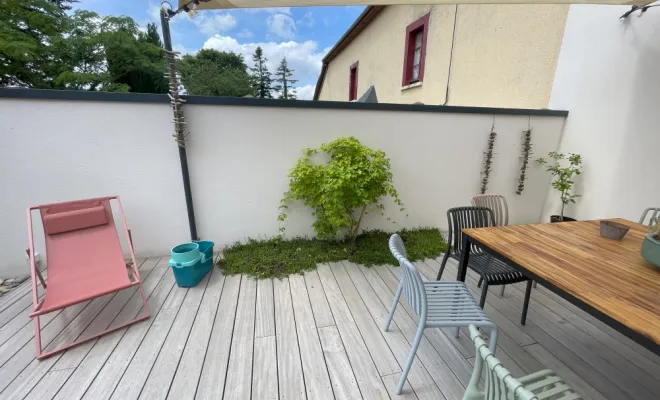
607, 278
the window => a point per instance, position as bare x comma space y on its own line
352, 83
415, 51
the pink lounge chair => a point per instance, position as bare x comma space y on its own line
85, 260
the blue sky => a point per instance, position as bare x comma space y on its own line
303, 35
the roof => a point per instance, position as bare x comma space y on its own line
353, 31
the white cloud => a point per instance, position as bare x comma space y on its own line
245, 33
271, 10
154, 12
307, 20
282, 25
183, 49
303, 57
210, 24
306, 92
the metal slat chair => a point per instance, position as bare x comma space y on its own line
492, 270
654, 216
498, 205
500, 385
442, 304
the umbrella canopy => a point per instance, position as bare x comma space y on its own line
223, 4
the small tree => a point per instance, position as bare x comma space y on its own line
563, 176
261, 79
340, 190
283, 82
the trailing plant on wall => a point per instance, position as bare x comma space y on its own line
488, 160
526, 152
563, 176
341, 190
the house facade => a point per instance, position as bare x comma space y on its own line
467, 55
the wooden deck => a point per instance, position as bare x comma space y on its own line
317, 336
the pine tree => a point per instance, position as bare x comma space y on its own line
283, 82
262, 82
151, 35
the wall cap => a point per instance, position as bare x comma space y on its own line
73, 95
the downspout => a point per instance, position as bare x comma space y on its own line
179, 123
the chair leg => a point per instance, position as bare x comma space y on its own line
535, 284
502, 291
481, 281
411, 357
472, 391
493, 339
443, 264
484, 292
397, 296
37, 335
528, 292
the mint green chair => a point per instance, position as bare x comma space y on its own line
500, 385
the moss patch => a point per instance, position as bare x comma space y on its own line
280, 258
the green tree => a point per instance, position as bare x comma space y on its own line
63, 5
106, 54
262, 82
283, 82
28, 31
215, 73
133, 62
82, 56
151, 35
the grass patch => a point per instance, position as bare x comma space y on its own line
280, 258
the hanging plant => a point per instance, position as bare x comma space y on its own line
488, 160
526, 152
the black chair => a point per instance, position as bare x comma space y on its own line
492, 271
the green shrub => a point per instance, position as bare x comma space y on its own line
340, 191
280, 258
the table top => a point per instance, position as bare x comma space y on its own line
608, 275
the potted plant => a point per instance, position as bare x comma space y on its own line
563, 179
651, 245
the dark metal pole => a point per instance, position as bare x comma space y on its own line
183, 158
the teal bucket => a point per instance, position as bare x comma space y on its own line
190, 262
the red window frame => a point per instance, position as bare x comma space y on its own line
421, 25
353, 82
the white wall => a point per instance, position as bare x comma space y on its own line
241, 160
239, 157
607, 76
55, 151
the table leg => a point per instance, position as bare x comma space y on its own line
465, 255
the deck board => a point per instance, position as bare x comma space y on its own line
316, 335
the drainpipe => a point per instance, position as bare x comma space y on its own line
178, 122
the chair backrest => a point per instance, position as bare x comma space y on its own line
654, 216
411, 281
81, 238
459, 218
497, 204
500, 384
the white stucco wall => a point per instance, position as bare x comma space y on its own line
239, 158
607, 76
55, 151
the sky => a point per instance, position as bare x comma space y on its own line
304, 35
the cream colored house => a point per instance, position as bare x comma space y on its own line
467, 55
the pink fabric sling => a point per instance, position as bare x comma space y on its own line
85, 258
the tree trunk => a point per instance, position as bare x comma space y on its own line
357, 226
